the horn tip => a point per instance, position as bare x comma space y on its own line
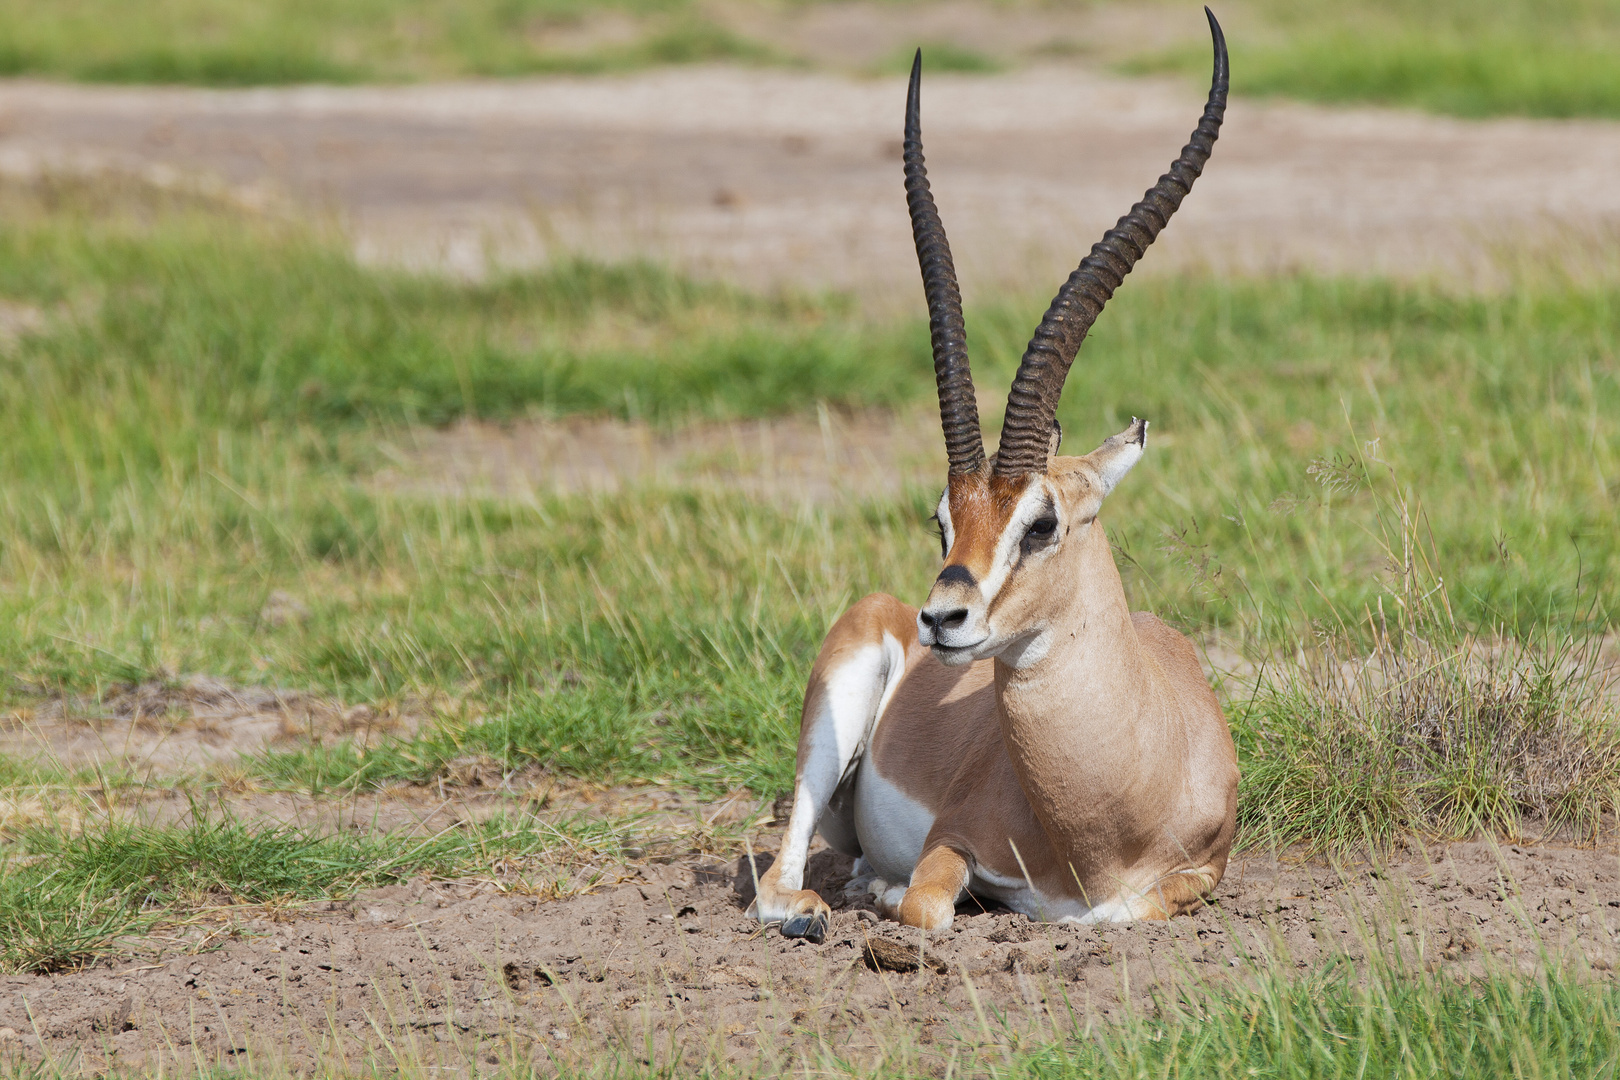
1219, 36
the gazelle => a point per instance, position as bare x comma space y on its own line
1025, 737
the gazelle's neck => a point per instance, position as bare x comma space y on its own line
1077, 717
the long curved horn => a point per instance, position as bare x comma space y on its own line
1032, 403
958, 409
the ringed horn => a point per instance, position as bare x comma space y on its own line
1026, 434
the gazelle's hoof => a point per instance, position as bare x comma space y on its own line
802, 914
810, 925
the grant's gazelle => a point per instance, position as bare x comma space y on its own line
1024, 737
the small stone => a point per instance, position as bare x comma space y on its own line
9, 1035
866, 916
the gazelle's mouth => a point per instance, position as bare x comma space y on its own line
956, 652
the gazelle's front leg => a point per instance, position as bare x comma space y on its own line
860, 664
930, 899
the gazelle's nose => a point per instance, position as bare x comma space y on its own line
943, 620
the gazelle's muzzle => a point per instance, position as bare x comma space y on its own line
952, 622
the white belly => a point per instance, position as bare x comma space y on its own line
891, 825
892, 828
1017, 894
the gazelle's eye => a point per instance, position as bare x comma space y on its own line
939, 531
1040, 533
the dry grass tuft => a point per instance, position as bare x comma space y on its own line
1433, 739
1409, 725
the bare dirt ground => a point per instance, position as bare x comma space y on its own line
167, 728
793, 459
772, 176
665, 966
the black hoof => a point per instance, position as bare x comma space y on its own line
812, 927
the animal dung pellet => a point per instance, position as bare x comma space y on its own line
881, 954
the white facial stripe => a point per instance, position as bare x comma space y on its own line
943, 513
1030, 506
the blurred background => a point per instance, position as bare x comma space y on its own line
756, 142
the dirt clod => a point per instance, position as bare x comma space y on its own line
1019, 960
281, 608
881, 954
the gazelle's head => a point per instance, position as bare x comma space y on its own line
1013, 550
1007, 524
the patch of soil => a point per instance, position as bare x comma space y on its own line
818, 459
658, 821
772, 177
667, 965
164, 727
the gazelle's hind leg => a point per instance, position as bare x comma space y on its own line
1176, 894
861, 663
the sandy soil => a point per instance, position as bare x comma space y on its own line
829, 457
781, 176
168, 728
666, 965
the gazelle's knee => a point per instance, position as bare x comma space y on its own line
940, 877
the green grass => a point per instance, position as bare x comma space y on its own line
1448, 738
196, 417
1517, 57
1549, 58
942, 56
1388, 1019
255, 323
66, 898
236, 43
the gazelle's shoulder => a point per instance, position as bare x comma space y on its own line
1168, 644
1176, 655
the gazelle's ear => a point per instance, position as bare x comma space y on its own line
1114, 458
1057, 440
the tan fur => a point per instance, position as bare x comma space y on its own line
980, 505
1083, 754
938, 880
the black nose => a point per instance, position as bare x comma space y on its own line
945, 620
